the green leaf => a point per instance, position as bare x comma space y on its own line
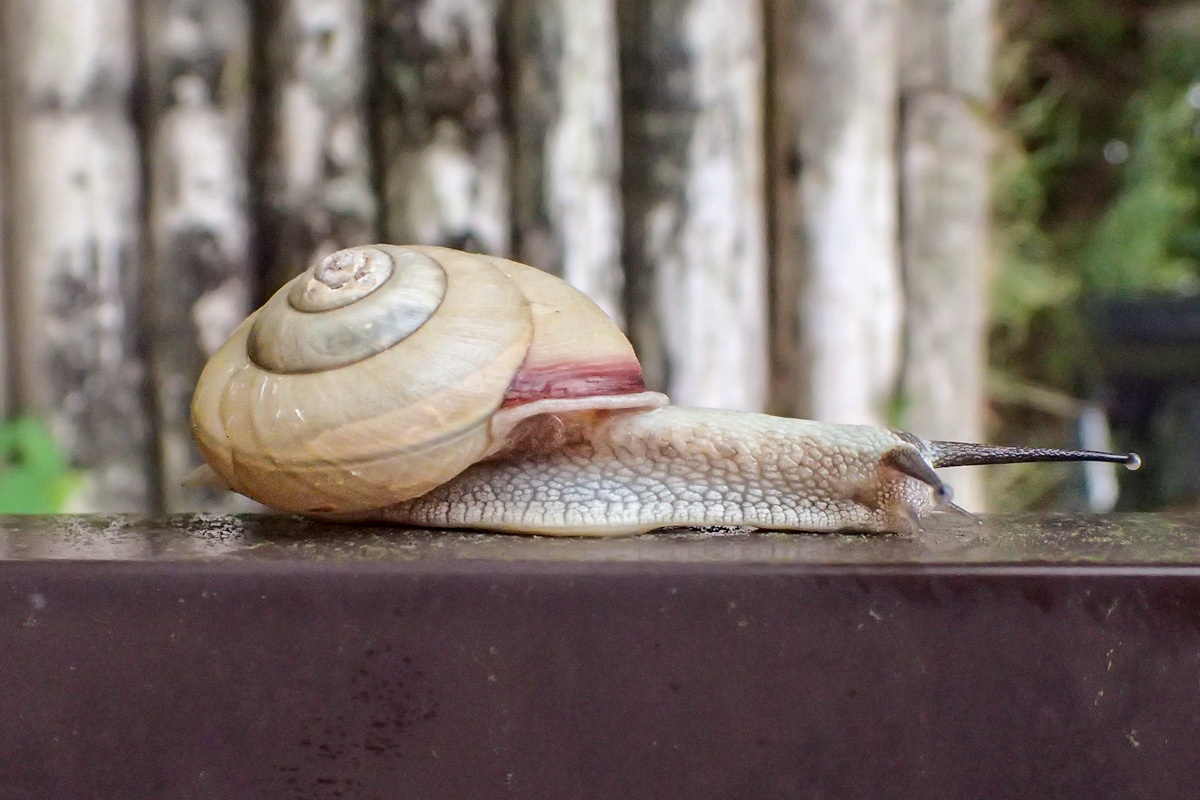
35, 477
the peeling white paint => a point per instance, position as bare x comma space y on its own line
710, 255
74, 179
447, 166
582, 163
218, 311
442, 22
840, 304
199, 218
199, 172
318, 166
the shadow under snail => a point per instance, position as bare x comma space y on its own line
429, 387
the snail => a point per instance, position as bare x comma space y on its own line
435, 388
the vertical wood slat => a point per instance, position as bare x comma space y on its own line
566, 131
5, 315
839, 307
441, 141
196, 55
944, 188
692, 77
316, 165
6, 354
73, 238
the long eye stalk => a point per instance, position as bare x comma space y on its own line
964, 454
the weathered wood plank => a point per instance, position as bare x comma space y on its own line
1070, 541
948, 46
316, 163
566, 130
73, 238
944, 146
695, 238
838, 305
196, 54
1028, 657
443, 149
5, 316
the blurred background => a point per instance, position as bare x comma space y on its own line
973, 219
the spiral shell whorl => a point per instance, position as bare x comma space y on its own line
390, 424
340, 279
349, 306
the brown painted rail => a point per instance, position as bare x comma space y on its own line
222, 657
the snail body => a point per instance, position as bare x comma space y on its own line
424, 386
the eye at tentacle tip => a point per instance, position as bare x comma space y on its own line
1133, 461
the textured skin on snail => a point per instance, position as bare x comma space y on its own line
634, 472
442, 389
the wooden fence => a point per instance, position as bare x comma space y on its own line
784, 203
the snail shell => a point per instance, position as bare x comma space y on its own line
425, 386
377, 375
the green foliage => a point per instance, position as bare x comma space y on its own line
35, 477
1096, 193
1146, 241
1078, 78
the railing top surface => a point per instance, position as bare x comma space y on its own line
1169, 540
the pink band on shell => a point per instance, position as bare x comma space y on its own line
574, 380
